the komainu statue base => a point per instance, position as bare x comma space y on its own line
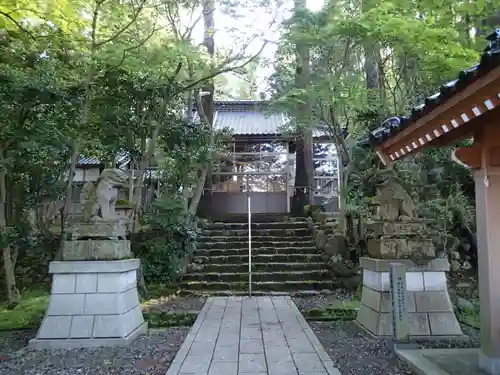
430, 312
105, 240
92, 303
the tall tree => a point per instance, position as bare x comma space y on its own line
304, 153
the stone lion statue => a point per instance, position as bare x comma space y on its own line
394, 202
99, 200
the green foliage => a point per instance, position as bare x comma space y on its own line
168, 238
162, 319
27, 314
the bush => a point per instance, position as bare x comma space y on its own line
163, 246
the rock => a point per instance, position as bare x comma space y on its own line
454, 255
351, 283
466, 265
336, 245
341, 270
320, 239
195, 267
465, 304
466, 247
337, 258
310, 223
442, 255
325, 257
455, 266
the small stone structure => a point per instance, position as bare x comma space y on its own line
396, 237
94, 299
330, 242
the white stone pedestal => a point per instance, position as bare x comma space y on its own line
430, 312
92, 303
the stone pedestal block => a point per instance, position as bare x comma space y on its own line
96, 241
92, 303
430, 312
399, 240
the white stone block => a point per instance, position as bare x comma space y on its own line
129, 279
133, 319
63, 283
386, 285
129, 299
82, 326
66, 304
55, 327
108, 326
435, 281
109, 283
372, 279
86, 283
94, 266
103, 304
414, 281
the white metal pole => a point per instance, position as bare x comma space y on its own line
249, 247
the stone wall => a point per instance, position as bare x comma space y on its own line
332, 245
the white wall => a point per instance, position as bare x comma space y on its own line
87, 174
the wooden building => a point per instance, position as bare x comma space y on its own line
260, 161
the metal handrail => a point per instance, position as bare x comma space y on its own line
249, 246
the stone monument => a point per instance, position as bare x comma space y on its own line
396, 235
94, 299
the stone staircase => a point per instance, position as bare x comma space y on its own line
284, 260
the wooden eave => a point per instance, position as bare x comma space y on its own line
458, 117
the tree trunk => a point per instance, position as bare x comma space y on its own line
13, 294
195, 201
304, 144
205, 104
145, 162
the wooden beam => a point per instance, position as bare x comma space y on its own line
440, 112
462, 114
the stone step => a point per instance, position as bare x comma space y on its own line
231, 239
256, 217
297, 232
308, 275
306, 250
293, 256
256, 267
255, 244
244, 225
255, 293
263, 286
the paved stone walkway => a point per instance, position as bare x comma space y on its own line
251, 336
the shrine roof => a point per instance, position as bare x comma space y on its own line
248, 117
489, 61
252, 118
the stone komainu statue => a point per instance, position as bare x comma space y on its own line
394, 202
98, 201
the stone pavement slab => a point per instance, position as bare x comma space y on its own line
442, 361
251, 336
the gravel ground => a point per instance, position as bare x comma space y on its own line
149, 355
355, 352
176, 304
320, 300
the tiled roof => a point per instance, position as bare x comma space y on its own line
85, 160
245, 122
251, 117
489, 60
122, 159
245, 117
